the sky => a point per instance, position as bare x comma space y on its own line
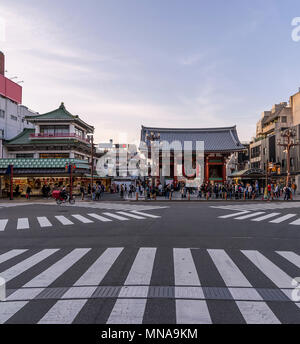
121, 64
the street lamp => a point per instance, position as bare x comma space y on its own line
152, 137
288, 143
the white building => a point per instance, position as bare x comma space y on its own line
12, 113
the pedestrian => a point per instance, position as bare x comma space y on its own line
82, 192
294, 187
28, 192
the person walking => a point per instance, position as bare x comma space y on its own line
28, 192
82, 192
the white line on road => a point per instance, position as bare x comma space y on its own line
131, 311
82, 219
249, 216
3, 224
26, 264
184, 268
192, 312
63, 220
131, 215
233, 215
63, 312
95, 274
114, 216
296, 223
145, 214
44, 222
10, 254
100, 218
283, 218
257, 313
23, 223
266, 217
291, 257
141, 270
273, 272
54, 271
128, 311
228, 270
8, 309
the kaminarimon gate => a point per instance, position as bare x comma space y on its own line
219, 145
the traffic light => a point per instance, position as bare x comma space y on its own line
70, 168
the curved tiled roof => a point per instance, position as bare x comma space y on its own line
215, 139
60, 114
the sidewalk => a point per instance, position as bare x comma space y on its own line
193, 198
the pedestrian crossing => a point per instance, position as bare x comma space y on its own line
47, 222
64, 286
263, 216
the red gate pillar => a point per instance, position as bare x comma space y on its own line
206, 170
224, 171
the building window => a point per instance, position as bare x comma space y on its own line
255, 152
54, 156
284, 119
79, 132
14, 118
24, 156
2, 114
79, 156
1, 133
54, 130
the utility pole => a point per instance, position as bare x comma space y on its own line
92, 162
288, 143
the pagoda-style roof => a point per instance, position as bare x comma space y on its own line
215, 139
59, 115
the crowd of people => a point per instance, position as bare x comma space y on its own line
226, 191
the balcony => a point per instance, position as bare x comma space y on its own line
57, 136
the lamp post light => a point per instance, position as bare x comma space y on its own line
288, 143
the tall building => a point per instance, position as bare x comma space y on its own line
12, 112
264, 148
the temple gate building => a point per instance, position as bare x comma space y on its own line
219, 145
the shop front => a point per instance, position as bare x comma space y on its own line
37, 173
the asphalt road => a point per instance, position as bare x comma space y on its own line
150, 262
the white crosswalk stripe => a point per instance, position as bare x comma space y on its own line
100, 218
248, 216
57, 269
44, 222
273, 272
132, 294
131, 311
131, 215
233, 215
260, 217
253, 312
295, 223
26, 264
266, 217
23, 223
3, 224
63, 220
82, 219
145, 214
10, 254
283, 218
115, 216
